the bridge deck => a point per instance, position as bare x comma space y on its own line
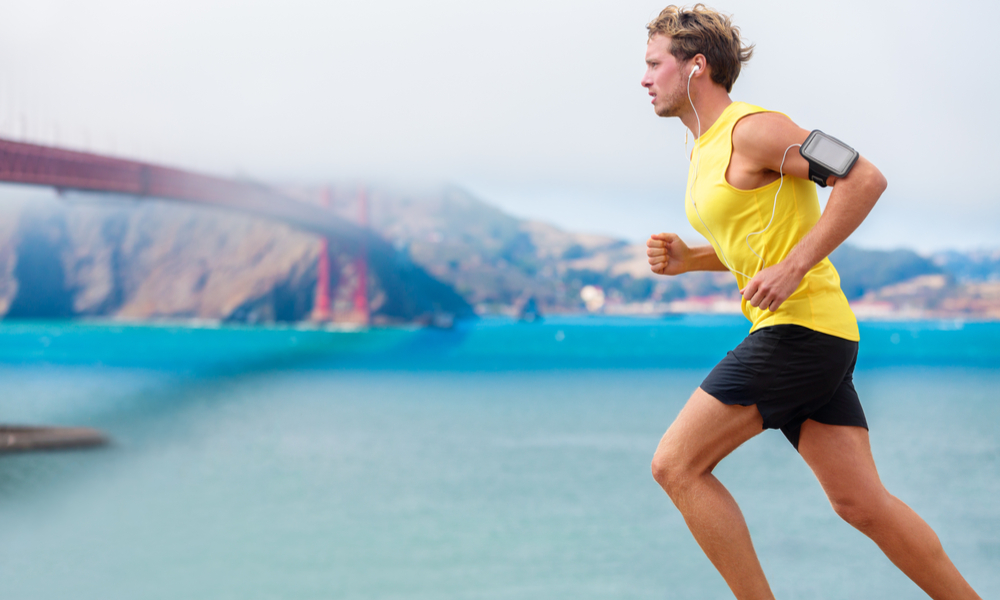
63, 169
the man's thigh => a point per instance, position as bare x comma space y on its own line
841, 458
706, 431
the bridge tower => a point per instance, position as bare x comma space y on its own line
361, 312
321, 304
347, 309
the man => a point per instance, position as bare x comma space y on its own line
749, 193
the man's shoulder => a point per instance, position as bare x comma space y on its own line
758, 121
758, 128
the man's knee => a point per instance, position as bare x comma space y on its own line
860, 510
671, 471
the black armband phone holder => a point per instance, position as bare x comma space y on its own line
827, 156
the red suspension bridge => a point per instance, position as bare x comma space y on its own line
70, 170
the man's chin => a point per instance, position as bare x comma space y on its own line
663, 111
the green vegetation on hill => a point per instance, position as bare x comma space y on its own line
862, 270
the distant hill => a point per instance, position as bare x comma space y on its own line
862, 271
977, 265
148, 260
497, 261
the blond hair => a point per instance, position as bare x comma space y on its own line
702, 30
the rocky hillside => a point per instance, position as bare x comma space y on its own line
142, 260
497, 261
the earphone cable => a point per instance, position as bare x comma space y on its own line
694, 179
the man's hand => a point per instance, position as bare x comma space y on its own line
772, 286
668, 255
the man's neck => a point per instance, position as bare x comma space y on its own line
710, 105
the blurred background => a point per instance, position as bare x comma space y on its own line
358, 294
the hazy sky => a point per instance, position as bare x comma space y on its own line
535, 106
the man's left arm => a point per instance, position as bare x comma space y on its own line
764, 142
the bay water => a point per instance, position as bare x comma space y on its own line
497, 460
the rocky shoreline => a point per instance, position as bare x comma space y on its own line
21, 438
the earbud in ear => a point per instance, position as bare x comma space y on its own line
694, 70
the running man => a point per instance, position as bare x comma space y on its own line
794, 371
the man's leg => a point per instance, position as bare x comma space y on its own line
704, 433
841, 458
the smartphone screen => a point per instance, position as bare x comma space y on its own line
828, 151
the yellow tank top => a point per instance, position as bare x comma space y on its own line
728, 214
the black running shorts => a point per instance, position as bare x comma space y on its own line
791, 374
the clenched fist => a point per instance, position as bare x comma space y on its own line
668, 255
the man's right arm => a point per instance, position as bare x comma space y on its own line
669, 255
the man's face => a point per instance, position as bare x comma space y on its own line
664, 78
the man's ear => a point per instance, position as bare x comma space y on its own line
698, 65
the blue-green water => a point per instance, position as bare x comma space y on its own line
495, 461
